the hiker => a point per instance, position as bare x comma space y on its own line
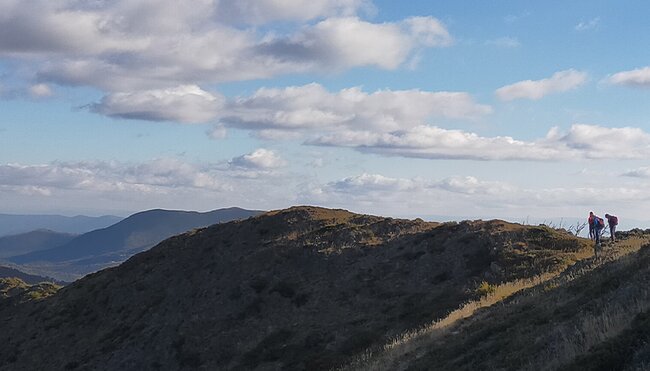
612, 221
590, 221
598, 224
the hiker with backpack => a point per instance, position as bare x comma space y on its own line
598, 225
612, 221
590, 222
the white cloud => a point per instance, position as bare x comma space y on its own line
504, 42
536, 89
472, 185
312, 107
366, 184
260, 159
436, 143
125, 46
598, 142
639, 77
588, 25
36, 27
466, 195
155, 176
428, 31
264, 11
172, 183
339, 43
372, 182
40, 91
580, 142
187, 103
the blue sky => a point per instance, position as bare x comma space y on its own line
485, 109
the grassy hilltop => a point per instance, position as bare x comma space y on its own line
313, 288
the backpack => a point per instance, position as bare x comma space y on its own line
613, 220
600, 223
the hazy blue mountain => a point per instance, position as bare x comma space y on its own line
108, 246
15, 224
24, 243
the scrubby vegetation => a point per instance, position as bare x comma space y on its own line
15, 290
311, 288
592, 316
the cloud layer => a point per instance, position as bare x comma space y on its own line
130, 46
312, 107
536, 89
580, 142
482, 197
185, 103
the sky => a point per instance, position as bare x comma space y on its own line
477, 109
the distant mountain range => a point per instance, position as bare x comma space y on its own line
109, 246
14, 224
23, 243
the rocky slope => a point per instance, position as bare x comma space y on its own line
303, 288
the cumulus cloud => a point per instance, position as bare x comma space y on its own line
312, 107
365, 183
37, 27
372, 182
437, 143
536, 89
639, 77
338, 43
186, 103
159, 175
580, 142
259, 162
593, 141
124, 46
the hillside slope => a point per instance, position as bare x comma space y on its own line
97, 249
593, 316
38, 240
14, 291
303, 288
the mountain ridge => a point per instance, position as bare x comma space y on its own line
302, 288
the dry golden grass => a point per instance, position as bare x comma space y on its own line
569, 342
